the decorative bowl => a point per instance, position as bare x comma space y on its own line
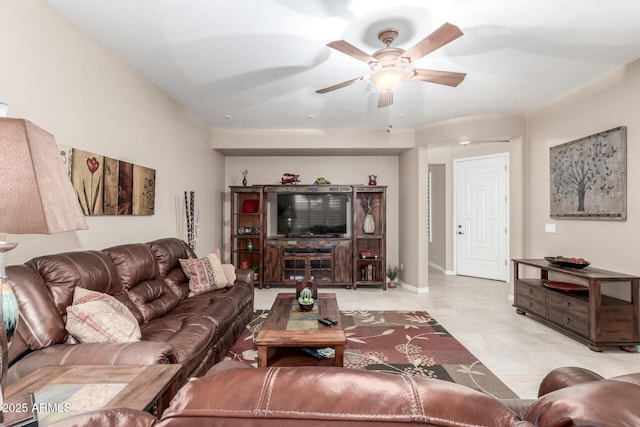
305, 307
568, 264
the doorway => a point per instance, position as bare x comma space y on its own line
481, 233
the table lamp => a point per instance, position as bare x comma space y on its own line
36, 197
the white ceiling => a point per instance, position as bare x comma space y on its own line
257, 63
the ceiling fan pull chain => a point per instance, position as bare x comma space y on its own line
389, 112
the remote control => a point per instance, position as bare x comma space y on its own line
312, 353
328, 319
325, 321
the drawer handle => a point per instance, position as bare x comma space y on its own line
530, 291
567, 319
530, 304
566, 303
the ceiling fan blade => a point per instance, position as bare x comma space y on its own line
443, 35
385, 98
448, 78
349, 49
340, 85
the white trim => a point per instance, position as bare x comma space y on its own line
414, 289
436, 267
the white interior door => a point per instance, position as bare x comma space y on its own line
481, 231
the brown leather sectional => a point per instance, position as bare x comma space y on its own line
232, 394
196, 332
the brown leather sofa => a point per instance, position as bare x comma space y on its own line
196, 332
232, 394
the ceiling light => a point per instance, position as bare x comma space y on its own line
389, 79
310, 116
464, 142
228, 116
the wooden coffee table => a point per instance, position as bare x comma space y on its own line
288, 329
69, 390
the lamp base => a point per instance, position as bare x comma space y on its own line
19, 411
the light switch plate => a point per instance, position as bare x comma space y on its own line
549, 228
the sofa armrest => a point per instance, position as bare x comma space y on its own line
131, 353
244, 277
566, 377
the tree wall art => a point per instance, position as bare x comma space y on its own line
107, 186
589, 177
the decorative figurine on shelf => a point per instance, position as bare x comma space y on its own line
289, 178
373, 179
322, 181
250, 245
244, 177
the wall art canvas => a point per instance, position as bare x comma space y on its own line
589, 177
107, 186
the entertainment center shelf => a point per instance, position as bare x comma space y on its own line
328, 234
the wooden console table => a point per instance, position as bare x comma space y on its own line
589, 316
65, 391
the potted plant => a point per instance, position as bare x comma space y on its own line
256, 270
305, 301
392, 274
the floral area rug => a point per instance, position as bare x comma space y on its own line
397, 342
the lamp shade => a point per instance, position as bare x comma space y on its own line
389, 79
36, 195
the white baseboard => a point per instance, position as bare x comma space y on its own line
442, 269
414, 289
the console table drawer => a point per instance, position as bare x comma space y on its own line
533, 305
531, 291
569, 321
568, 304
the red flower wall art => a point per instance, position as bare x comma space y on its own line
107, 186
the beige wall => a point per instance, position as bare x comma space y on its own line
337, 169
57, 77
438, 243
414, 251
609, 102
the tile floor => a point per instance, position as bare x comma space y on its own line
479, 314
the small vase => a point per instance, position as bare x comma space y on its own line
369, 225
392, 284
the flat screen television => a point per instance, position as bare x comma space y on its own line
302, 214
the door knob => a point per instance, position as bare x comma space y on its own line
460, 232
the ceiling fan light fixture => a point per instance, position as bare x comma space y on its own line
389, 79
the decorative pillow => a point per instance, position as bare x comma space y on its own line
98, 317
207, 273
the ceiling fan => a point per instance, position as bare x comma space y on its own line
387, 65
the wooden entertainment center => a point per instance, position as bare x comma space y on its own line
351, 259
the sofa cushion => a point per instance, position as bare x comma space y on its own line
168, 252
207, 274
191, 336
140, 276
98, 317
61, 274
